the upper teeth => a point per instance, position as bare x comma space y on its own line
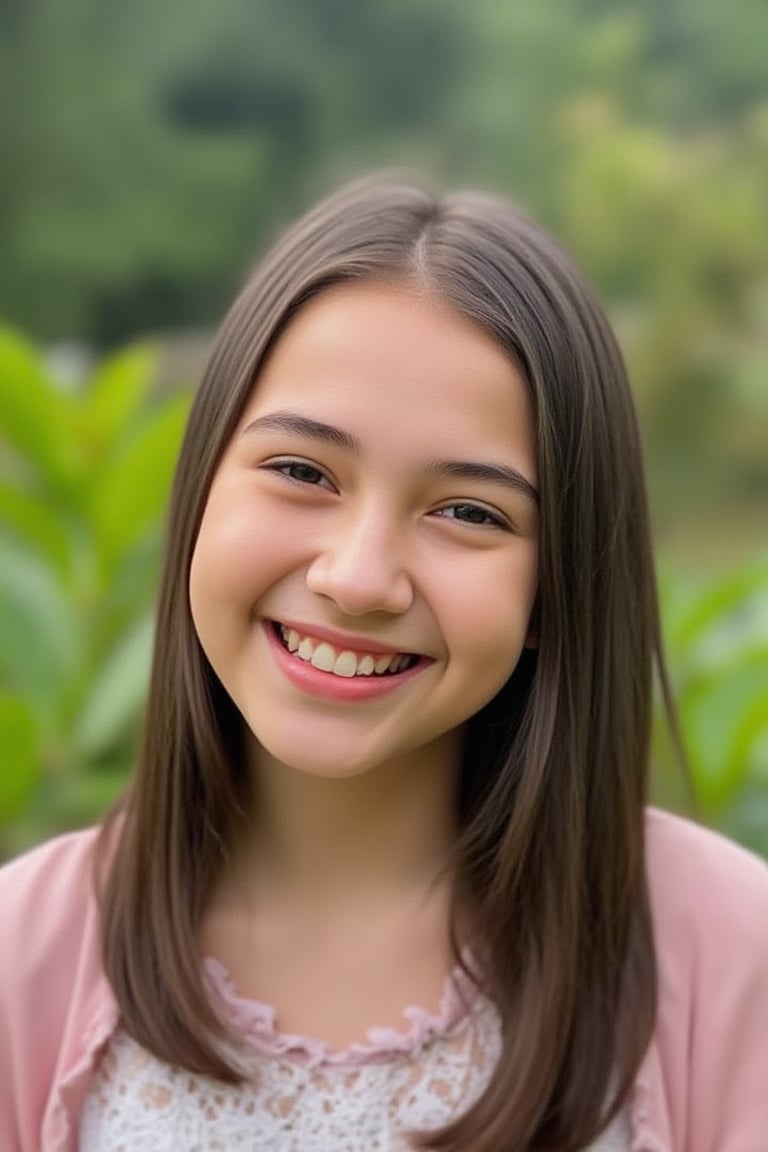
341, 662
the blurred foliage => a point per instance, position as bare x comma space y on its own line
150, 150
84, 479
716, 636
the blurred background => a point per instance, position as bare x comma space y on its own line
150, 152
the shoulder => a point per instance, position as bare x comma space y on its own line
50, 976
46, 896
53, 866
704, 885
66, 849
707, 1067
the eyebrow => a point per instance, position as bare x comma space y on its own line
500, 474
298, 425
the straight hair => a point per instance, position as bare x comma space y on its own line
550, 852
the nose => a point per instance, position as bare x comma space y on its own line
360, 566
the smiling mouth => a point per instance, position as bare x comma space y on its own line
345, 662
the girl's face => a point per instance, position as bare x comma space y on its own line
366, 566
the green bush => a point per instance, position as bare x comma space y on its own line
716, 632
84, 479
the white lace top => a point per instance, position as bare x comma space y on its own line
298, 1096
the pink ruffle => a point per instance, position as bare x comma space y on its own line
256, 1023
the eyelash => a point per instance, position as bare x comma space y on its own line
491, 519
285, 467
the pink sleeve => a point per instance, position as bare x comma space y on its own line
710, 901
44, 903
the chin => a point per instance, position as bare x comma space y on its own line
321, 760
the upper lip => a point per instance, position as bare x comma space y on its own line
342, 641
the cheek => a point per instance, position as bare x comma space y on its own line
488, 631
487, 613
235, 558
493, 649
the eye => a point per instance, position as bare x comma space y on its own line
474, 514
300, 472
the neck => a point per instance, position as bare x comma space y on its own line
314, 836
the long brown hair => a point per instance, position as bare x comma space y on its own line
554, 780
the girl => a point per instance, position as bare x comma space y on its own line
384, 878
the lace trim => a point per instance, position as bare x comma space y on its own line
297, 1094
256, 1023
297, 1101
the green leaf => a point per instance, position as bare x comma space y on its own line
116, 697
74, 801
748, 747
724, 597
31, 517
131, 494
19, 742
35, 418
722, 713
114, 398
39, 642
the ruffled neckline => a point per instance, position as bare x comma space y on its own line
256, 1023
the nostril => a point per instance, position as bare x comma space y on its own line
360, 584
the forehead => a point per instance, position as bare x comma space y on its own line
383, 359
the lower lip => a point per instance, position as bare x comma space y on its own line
310, 679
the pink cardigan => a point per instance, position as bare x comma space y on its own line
703, 1086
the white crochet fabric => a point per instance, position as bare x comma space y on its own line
300, 1097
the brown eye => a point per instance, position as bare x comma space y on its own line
299, 471
472, 514
304, 472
